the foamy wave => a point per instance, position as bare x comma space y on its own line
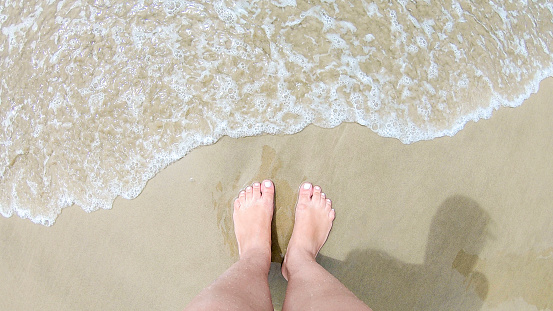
97, 98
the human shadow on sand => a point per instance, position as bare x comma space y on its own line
445, 281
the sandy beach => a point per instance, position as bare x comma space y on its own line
456, 223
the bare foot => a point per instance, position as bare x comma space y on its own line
253, 213
313, 221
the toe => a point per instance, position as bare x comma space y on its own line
236, 204
328, 204
306, 191
316, 194
256, 191
267, 189
249, 193
332, 214
242, 197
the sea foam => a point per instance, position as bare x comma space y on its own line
97, 97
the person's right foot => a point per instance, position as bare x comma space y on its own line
313, 221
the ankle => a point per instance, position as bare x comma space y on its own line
258, 254
296, 259
299, 255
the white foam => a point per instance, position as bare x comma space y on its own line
371, 9
151, 92
421, 41
328, 21
284, 3
225, 14
336, 41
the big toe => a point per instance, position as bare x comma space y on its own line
306, 191
267, 189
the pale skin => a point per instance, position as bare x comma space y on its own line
245, 286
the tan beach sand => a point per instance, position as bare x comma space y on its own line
461, 222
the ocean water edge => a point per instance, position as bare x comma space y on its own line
96, 97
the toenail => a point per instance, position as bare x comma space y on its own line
267, 184
248, 188
256, 184
306, 186
317, 188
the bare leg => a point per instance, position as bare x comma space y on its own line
244, 286
310, 286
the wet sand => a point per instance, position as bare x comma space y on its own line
459, 222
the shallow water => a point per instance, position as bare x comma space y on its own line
97, 97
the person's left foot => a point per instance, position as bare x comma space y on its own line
253, 213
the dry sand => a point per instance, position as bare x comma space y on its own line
461, 222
